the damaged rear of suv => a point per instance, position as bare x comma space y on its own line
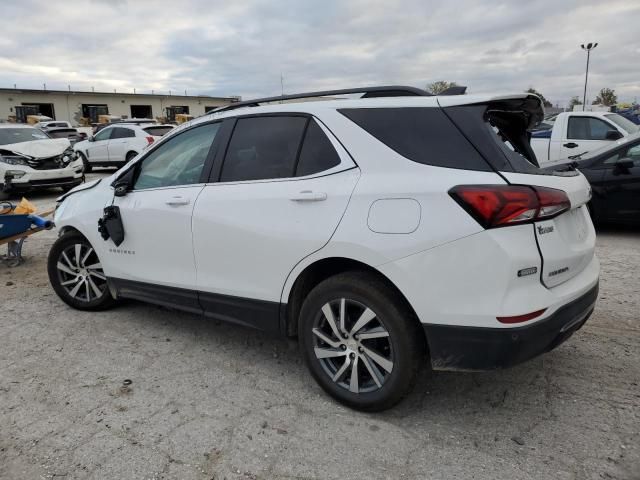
30, 159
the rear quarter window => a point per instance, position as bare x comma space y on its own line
158, 131
317, 153
423, 135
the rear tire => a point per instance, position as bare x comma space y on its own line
354, 320
87, 166
76, 274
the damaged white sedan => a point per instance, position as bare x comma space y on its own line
30, 159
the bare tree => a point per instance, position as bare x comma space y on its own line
440, 86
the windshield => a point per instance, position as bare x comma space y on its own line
627, 125
19, 135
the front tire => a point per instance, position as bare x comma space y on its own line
76, 274
360, 341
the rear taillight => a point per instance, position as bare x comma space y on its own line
502, 205
149, 140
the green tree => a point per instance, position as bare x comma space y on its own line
440, 86
545, 102
575, 100
606, 97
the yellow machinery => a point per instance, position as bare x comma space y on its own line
33, 119
183, 117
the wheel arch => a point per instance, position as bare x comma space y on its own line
69, 229
72, 229
318, 271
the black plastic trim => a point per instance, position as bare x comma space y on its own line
477, 348
180, 298
259, 314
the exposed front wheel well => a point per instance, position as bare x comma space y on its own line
320, 271
68, 229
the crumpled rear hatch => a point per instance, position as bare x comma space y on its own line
499, 129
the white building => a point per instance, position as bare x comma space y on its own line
15, 104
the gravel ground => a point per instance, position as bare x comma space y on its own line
214, 401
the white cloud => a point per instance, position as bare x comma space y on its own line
240, 48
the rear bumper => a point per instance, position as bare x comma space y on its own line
477, 348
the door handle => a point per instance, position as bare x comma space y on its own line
309, 196
177, 200
570, 145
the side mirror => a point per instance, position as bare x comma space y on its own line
624, 164
613, 135
120, 189
123, 183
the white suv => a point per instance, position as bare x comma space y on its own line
116, 145
377, 230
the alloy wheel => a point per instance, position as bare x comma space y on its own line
80, 273
352, 345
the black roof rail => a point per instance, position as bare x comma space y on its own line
368, 92
455, 90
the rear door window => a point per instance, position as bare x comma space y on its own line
423, 135
119, 132
263, 148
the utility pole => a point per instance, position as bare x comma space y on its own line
588, 47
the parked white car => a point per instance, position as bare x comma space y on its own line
30, 160
377, 230
118, 144
575, 133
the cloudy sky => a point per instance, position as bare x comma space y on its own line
242, 47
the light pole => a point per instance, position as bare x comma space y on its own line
588, 47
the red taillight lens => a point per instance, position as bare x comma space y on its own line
500, 205
521, 318
552, 201
149, 140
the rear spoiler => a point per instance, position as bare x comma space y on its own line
455, 90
